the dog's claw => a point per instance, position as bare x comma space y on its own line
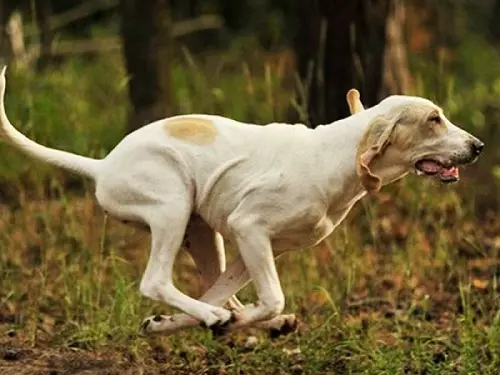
157, 318
143, 328
220, 328
149, 323
289, 326
233, 318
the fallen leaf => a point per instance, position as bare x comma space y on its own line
480, 284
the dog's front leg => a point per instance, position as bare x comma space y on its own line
229, 283
206, 248
258, 260
257, 254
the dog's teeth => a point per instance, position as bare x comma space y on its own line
419, 172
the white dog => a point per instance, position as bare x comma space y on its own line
269, 189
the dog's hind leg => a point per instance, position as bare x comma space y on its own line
167, 233
164, 204
206, 247
230, 282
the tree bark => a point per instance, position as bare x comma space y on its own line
340, 45
43, 10
147, 45
397, 78
494, 25
5, 46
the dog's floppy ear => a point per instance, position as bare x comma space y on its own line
374, 142
354, 102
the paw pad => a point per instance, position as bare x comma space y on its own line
219, 329
289, 326
233, 317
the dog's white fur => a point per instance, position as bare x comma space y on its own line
269, 189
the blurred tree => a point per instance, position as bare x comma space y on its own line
397, 79
182, 9
494, 25
339, 45
43, 10
5, 46
147, 45
272, 22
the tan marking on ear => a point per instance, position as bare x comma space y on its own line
191, 129
354, 102
370, 181
374, 142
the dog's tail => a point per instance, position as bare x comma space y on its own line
75, 163
354, 101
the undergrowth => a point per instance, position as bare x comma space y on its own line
410, 285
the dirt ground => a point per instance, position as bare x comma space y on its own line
17, 358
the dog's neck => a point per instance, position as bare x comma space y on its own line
338, 143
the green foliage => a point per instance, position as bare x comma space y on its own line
409, 287
72, 107
465, 81
82, 107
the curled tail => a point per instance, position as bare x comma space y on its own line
72, 162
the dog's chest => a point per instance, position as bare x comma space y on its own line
306, 234
302, 235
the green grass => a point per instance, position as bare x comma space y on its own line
411, 286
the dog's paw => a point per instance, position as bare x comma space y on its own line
290, 325
215, 315
154, 324
222, 326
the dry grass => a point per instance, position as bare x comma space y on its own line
411, 285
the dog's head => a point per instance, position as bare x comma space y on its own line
411, 134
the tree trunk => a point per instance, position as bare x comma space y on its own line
340, 45
397, 78
494, 25
43, 10
15, 32
5, 46
147, 45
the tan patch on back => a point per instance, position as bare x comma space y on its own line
192, 129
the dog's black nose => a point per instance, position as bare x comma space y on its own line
477, 147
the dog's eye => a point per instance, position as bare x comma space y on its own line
436, 119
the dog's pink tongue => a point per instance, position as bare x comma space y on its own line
451, 172
430, 166
435, 168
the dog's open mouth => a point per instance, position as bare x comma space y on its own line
435, 168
